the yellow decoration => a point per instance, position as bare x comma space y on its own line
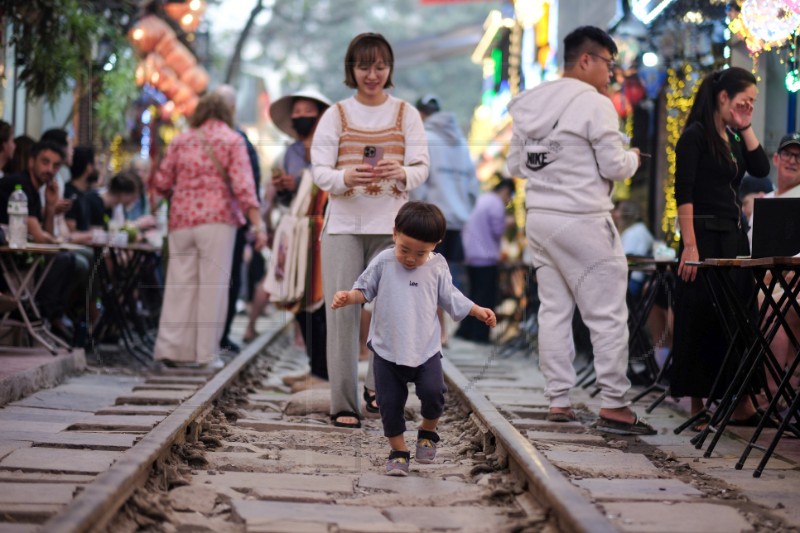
683, 85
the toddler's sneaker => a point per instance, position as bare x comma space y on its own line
398, 463
426, 446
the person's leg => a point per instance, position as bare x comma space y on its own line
215, 246
595, 268
392, 389
342, 263
177, 337
373, 245
256, 270
235, 284
430, 389
258, 303
556, 345
316, 343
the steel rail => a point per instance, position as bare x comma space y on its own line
97, 504
573, 511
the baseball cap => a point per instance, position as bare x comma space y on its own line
751, 185
429, 104
786, 140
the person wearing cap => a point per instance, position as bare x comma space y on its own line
366, 192
297, 115
452, 183
787, 162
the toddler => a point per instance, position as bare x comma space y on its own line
408, 282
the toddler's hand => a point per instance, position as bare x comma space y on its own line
485, 315
340, 299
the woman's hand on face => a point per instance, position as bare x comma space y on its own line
390, 169
359, 176
687, 272
742, 115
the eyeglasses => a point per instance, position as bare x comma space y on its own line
787, 157
610, 63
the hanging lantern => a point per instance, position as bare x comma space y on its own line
770, 21
180, 59
147, 32
196, 78
188, 14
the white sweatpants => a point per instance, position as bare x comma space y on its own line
579, 260
196, 294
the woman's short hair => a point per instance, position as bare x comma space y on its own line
366, 49
211, 106
422, 221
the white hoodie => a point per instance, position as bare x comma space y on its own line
566, 143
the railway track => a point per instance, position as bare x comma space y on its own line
240, 454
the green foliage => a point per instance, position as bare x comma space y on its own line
117, 89
53, 41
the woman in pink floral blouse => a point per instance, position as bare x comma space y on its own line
206, 174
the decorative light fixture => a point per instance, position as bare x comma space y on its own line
792, 81
765, 24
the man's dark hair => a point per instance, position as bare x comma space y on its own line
122, 183
586, 39
43, 145
422, 221
5, 131
82, 157
505, 183
366, 49
57, 136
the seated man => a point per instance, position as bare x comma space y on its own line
54, 294
787, 162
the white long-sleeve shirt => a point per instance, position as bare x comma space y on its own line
362, 214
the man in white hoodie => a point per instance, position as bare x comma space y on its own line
567, 145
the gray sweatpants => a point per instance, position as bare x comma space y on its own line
344, 258
579, 260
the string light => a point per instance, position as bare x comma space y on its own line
682, 86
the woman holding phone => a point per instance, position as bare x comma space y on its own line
365, 193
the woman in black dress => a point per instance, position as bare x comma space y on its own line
717, 147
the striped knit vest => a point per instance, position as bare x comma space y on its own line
351, 153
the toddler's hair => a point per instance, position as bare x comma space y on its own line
422, 221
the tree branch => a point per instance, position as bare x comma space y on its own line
236, 57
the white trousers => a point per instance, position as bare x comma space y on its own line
196, 293
579, 261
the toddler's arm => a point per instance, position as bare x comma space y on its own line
343, 298
484, 315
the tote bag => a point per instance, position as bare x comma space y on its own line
286, 274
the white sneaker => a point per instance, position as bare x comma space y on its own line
215, 364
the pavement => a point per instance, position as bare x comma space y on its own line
650, 483
641, 483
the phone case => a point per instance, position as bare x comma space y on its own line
372, 155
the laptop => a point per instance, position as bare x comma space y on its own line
776, 227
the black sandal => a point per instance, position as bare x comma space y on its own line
371, 401
342, 414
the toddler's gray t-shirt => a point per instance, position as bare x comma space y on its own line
404, 328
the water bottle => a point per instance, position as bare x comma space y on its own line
18, 218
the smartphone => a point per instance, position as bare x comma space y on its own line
372, 154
